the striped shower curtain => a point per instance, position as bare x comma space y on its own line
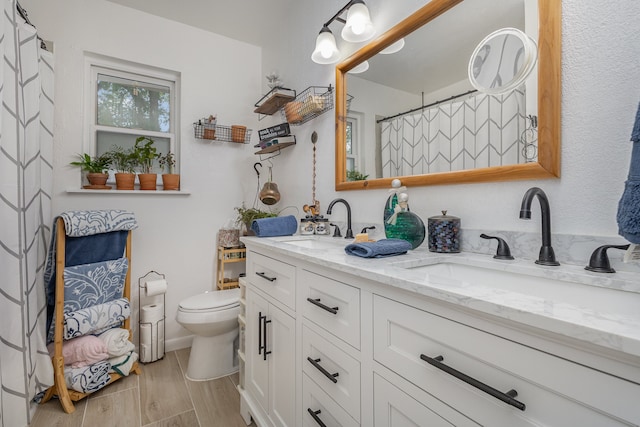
477, 132
26, 143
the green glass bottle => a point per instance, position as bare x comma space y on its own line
402, 223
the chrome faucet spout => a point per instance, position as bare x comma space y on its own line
546, 256
349, 232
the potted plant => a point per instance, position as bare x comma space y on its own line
146, 154
125, 163
96, 168
247, 215
354, 175
170, 180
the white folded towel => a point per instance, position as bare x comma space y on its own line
117, 341
122, 364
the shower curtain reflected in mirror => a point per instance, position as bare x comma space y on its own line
26, 174
479, 131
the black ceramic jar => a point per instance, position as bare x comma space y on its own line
444, 233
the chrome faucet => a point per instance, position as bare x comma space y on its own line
547, 256
349, 232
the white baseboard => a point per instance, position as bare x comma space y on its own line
178, 343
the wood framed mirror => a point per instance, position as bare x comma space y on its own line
547, 162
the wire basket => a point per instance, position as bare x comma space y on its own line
234, 133
309, 104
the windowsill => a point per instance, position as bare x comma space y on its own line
158, 192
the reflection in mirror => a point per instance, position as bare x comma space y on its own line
502, 61
398, 125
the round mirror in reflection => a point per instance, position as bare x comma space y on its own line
502, 61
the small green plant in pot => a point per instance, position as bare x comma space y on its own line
354, 175
96, 168
170, 180
146, 154
247, 215
125, 162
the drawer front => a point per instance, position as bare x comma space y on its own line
337, 373
393, 408
333, 305
327, 411
274, 277
547, 385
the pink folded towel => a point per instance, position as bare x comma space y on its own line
83, 351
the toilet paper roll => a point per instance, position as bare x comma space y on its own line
156, 287
145, 344
157, 340
152, 313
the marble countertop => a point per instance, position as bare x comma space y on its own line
602, 309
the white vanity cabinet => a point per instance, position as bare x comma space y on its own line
270, 349
492, 380
358, 352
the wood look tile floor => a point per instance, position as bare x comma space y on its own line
160, 397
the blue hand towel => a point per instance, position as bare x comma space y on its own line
629, 206
379, 249
278, 226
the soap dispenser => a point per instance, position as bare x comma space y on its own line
402, 223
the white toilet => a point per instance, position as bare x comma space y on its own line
212, 317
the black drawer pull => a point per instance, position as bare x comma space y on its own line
316, 418
332, 310
260, 332
264, 276
326, 373
507, 397
264, 329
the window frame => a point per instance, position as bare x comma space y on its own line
98, 64
358, 161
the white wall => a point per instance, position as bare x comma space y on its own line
600, 84
219, 76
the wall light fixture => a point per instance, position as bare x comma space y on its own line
357, 28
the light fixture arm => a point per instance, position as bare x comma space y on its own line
336, 17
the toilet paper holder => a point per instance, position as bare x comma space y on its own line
158, 352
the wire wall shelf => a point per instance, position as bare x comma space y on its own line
309, 104
235, 133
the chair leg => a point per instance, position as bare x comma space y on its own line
61, 386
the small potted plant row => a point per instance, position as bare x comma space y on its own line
126, 162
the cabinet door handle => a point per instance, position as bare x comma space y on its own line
316, 418
507, 397
264, 276
332, 310
316, 364
264, 330
260, 332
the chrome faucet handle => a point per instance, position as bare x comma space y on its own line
336, 230
503, 251
599, 262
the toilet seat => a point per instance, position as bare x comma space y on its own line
211, 301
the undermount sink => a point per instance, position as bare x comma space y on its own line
549, 289
314, 242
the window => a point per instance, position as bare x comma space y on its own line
351, 141
127, 101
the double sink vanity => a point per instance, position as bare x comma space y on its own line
435, 339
